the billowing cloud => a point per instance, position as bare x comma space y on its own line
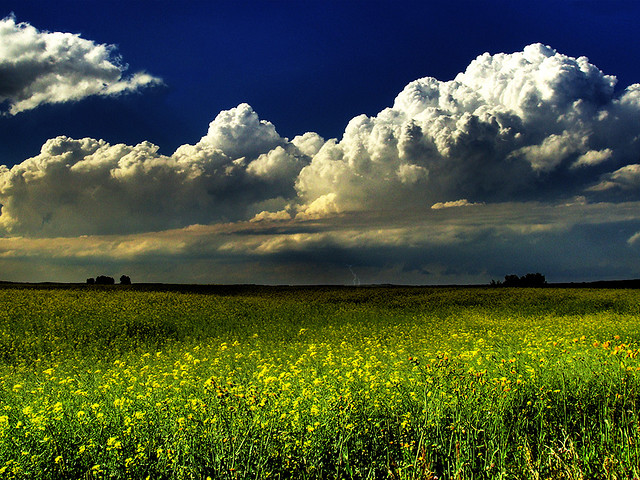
533, 152
86, 186
509, 126
38, 67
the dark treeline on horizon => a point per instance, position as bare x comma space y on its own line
528, 280
105, 280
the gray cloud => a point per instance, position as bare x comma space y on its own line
474, 245
39, 67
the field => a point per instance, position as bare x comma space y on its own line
319, 383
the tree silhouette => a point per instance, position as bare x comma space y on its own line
104, 280
528, 280
125, 280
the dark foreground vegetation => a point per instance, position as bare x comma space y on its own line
316, 383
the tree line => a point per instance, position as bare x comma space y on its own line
528, 280
105, 280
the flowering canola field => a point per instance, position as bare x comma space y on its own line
319, 383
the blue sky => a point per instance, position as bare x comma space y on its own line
245, 79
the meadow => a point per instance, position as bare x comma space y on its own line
319, 383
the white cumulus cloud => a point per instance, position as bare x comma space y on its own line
510, 126
86, 186
39, 67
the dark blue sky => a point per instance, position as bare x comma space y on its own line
303, 65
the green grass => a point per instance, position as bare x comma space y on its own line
316, 383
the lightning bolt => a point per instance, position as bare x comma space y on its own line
356, 280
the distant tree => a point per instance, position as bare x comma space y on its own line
104, 280
91, 281
528, 280
125, 280
511, 281
533, 280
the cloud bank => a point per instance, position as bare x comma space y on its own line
532, 146
39, 67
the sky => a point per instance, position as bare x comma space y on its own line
319, 142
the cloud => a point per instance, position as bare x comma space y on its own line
625, 178
417, 248
552, 151
540, 144
463, 202
239, 132
38, 67
593, 157
531, 125
77, 187
508, 127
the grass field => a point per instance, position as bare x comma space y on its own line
319, 383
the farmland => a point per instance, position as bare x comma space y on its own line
315, 383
